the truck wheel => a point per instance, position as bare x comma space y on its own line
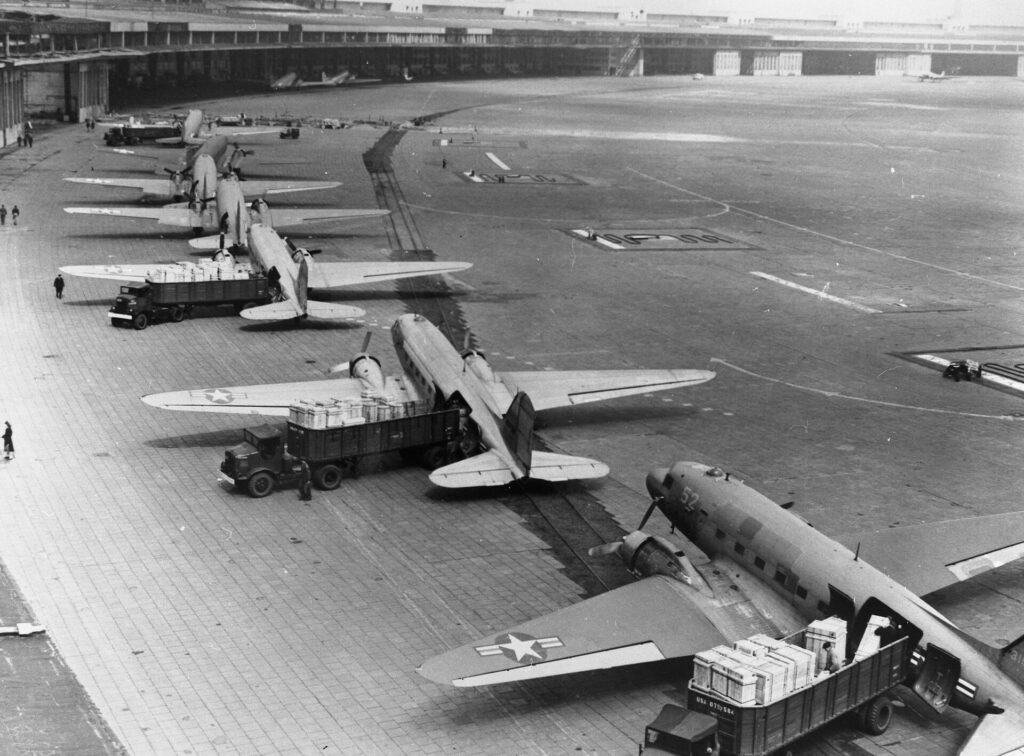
876, 715
140, 321
433, 457
260, 484
177, 314
328, 477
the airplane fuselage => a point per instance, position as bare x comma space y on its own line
724, 517
435, 367
268, 250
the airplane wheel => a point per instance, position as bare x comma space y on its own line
876, 715
177, 314
328, 477
433, 457
140, 321
260, 485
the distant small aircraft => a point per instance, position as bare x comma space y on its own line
758, 568
344, 78
497, 440
930, 76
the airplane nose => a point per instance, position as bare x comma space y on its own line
655, 481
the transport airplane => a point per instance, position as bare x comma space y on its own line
761, 569
216, 147
193, 131
499, 409
226, 210
344, 78
200, 181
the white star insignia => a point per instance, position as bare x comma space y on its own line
219, 396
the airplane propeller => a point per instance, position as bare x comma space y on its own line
607, 549
343, 367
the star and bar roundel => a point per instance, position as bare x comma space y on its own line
217, 396
520, 647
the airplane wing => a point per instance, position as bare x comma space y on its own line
549, 389
268, 399
293, 216
996, 735
165, 216
133, 273
331, 275
931, 556
257, 187
650, 620
146, 186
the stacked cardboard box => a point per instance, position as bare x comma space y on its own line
829, 630
870, 643
204, 270
336, 413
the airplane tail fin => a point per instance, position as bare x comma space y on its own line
1011, 660
517, 429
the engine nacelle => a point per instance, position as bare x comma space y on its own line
477, 363
647, 555
367, 370
261, 213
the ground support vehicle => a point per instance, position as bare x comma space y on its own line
269, 457
289, 132
139, 305
713, 724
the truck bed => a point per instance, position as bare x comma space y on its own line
756, 730
209, 292
331, 444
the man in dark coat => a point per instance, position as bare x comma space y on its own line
58, 285
8, 440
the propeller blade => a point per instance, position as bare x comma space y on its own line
605, 549
341, 367
366, 341
648, 513
465, 341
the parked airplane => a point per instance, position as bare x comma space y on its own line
345, 77
763, 569
216, 147
931, 76
226, 210
193, 130
498, 434
200, 181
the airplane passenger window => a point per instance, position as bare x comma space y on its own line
801, 592
759, 563
720, 534
739, 548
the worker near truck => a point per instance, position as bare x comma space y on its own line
828, 659
305, 482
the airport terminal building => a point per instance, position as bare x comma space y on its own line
70, 60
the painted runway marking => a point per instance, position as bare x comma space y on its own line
816, 292
644, 240
534, 179
878, 402
761, 216
497, 162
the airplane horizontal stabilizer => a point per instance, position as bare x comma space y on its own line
329, 275
273, 311
996, 735
208, 243
562, 388
331, 311
592, 634
556, 467
485, 469
927, 557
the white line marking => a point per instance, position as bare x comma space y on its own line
496, 161
879, 402
815, 292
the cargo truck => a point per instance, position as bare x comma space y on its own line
139, 305
137, 133
269, 457
714, 724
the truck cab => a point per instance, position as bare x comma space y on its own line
261, 462
683, 732
132, 306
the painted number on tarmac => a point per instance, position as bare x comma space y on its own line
627, 239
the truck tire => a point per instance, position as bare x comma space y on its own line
876, 715
433, 457
140, 321
328, 477
177, 314
260, 484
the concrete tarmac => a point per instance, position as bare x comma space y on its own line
798, 236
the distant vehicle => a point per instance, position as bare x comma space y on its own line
498, 410
137, 133
289, 132
263, 461
343, 78
933, 77
757, 568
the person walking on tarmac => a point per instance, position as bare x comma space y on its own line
8, 440
305, 483
58, 285
3, 215
15, 212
